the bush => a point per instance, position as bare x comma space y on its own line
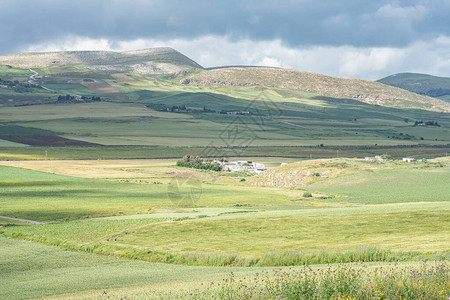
202, 166
307, 194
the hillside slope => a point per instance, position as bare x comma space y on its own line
363, 90
147, 61
423, 84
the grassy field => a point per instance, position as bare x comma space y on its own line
45, 197
402, 220
114, 208
36, 271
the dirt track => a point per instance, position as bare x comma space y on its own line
22, 220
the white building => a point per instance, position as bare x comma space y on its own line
243, 165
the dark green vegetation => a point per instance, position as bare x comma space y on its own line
432, 86
201, 166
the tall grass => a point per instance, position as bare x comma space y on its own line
425, 281
269, 259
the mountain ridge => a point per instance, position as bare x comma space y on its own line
370, 92
151, 61
424, 84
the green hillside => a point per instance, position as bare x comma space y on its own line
432, 86
320, 85
99, 98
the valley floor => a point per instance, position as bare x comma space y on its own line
143, 228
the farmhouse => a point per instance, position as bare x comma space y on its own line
376, 158
242, 165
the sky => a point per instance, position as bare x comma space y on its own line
343, 38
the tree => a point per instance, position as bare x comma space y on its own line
197, 160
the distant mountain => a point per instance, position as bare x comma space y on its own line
362, 90
148, 61
98, 70
432, 86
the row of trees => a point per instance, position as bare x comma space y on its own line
17, 86
196, 162
201, 166
427, 123
69, 98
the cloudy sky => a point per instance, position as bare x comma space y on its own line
346, 38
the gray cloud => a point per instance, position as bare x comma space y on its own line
295, 23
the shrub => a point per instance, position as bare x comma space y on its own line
307, 194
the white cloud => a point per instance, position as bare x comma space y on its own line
410, 13
429, 56
71, 43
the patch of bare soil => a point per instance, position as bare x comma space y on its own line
102, 88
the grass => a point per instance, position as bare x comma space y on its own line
252, 238
34, 271
45, 197
70, 88
4, 143
31, 271
425, 281
389, 186
284, 154
9, 222
307, 223
193, 242
360, 181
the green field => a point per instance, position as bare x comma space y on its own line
34, 271
230, 226
202, 203
39, 271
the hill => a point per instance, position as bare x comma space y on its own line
111, 99
362, 90
148, 61
432, 86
